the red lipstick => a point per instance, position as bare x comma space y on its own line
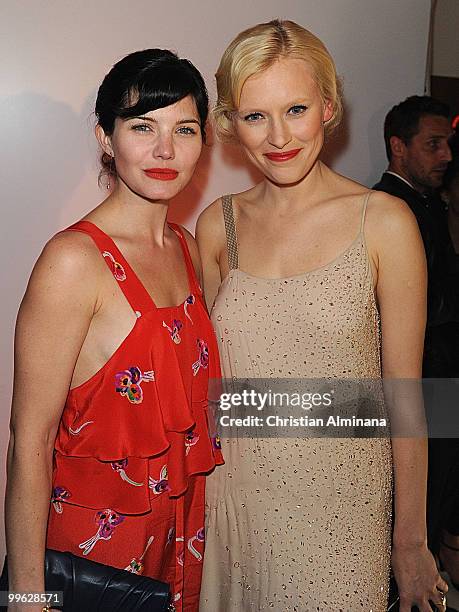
282, 157
161, 174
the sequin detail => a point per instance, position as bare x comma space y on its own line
299, 524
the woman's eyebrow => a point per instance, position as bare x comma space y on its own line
153, 120
259, 109
143, 118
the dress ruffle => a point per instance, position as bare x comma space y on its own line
156, 423
134, 440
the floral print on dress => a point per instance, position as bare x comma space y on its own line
180, 556
162, 484
136, 565
174, 331
107, 520
60, 494
203, 359
119, 466
116, 268
191, 438
75, 431
127, 383
170, 536
190, 300
199, 537
216, 442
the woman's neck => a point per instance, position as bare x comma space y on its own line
305, 192
125, 213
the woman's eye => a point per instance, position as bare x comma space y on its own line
252, 117
184, 129
141, 127
298, 109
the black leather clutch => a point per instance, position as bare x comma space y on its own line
91, 586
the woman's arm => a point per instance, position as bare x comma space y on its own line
398, 255
211, 239
51, 327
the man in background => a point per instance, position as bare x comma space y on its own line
416, 135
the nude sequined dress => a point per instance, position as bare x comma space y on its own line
299, 524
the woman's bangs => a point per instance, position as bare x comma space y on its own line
157, 89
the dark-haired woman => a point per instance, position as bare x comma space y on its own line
113, 354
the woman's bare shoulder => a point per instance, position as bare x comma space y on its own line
71, 244
389, 222
210, 227
388, 210
212, 211
381, 207
69, 262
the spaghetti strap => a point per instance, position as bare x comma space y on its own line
193, 282
231, 234
364, 209
135, 293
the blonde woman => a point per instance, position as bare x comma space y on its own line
303, 272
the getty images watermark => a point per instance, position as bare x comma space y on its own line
335, 407
269, 401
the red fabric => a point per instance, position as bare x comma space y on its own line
134, 440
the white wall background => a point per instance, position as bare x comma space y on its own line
446, 39
54, 54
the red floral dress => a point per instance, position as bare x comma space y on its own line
133, 443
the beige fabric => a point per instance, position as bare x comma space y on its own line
299, 523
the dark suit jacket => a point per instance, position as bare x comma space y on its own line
443, 289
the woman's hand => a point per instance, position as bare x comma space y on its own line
417, 578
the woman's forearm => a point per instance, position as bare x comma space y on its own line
26, 513
410, 474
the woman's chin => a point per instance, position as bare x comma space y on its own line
288, 179
164, 191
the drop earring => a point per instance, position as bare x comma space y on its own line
111, 172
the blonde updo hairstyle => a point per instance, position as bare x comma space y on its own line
255, 50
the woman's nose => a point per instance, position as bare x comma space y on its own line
164, 147
279, 133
